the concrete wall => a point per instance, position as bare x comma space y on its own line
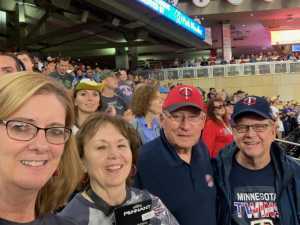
285, 85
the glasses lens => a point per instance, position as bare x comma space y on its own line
58, 135
21, 131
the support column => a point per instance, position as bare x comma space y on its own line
121, 59
226, 42
133, 57
3, 27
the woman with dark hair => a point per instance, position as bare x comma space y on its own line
108, 147
217, 131
87, 98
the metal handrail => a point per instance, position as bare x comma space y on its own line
287, 142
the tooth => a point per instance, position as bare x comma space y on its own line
33, 163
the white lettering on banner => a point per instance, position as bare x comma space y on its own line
175, 15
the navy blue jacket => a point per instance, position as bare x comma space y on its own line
186, 189
287, 185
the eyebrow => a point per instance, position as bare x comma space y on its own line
32, 121
119, 140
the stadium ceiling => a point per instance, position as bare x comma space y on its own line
87, 27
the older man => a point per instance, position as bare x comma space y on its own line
258, 183
176, 166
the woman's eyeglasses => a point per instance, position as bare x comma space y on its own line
23, 131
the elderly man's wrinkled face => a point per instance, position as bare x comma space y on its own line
183, 127
7, 65
254, 136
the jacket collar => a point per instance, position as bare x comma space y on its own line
279, 159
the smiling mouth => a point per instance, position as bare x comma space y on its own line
34, 163
113, 168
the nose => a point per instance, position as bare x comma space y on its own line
113, 152
250, 132
39, 142
184, 123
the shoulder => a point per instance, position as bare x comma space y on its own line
294, 163
55, 219
151, 148
77, 206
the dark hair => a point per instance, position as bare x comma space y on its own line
19, 64
26, 53
211, 110
90, 127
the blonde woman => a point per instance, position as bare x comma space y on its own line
39, 165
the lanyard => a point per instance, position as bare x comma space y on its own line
100, 203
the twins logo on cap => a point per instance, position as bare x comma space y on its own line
249, 101
186, 92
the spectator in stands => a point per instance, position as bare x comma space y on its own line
275, 111
39, 165
26, 59
256, 172
108, 147
90, 74
146, 106
9, 63
61, 73
217, 131
50, 66
97, 75
176, 165
86, 100
124, 90
109, 96
212, 93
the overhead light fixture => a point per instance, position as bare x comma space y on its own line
115, 22
235, 2
201, 3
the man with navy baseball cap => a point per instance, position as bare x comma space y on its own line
176, 166
258, 183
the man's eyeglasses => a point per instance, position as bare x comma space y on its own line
23, 131
256, 127
178, 118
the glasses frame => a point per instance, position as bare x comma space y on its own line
171, 117
66, 131
253, 127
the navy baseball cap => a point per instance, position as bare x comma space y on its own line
252, 104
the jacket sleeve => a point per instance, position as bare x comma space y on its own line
209, 136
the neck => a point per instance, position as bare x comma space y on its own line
149, 119
82, 116
16, 205
112, 196
220, 118
185, 154
108, 92
252, 163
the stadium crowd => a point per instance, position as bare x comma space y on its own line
80, 144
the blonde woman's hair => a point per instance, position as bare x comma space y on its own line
15, 90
